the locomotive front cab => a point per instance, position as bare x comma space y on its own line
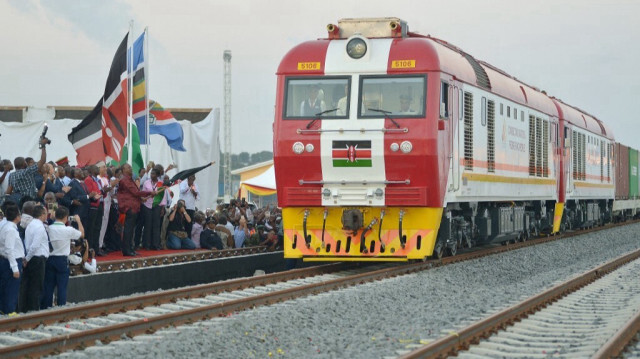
356, 154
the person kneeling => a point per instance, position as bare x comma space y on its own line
209, 239
177, 237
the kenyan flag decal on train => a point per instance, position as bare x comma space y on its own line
351, 153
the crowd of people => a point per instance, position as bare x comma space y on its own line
54, 215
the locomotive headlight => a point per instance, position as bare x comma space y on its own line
406, 146
309, 147
326, 192
356, 48
394, 147
298, 148
379, 192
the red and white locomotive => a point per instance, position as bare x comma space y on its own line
390, 146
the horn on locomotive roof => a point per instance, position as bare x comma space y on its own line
334, 31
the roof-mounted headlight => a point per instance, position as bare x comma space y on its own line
356, 48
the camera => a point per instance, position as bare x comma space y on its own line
71, 219
43, 136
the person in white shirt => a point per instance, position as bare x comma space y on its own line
7, 168
314, 104
190, 193
11, 257
57, 268
36, 242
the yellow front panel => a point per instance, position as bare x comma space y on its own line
420, 226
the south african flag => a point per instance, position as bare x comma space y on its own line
351, 153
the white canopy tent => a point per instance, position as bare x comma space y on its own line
266, 180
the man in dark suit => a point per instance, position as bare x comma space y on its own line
79, 196
96, 209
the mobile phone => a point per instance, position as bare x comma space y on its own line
50, 206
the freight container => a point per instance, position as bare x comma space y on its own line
621, 161
633, 173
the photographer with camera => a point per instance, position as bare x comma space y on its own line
57, 267
177, 235
22, 182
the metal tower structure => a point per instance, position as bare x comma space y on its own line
227, 125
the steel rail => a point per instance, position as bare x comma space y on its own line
80, 340
34, 319
623, 337
57, 344
461, 340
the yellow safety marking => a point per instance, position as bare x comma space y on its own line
478, 177
593, 185
557, 217
308, 66
354, 259
422, 222
403, 64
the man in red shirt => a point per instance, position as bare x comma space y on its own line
129, 196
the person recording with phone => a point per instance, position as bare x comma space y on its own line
57, 267
22, 182
51, 204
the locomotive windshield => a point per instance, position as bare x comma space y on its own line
392, 96
325, 97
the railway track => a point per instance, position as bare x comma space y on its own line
572, 319
54, 331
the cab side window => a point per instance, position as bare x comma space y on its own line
444, 100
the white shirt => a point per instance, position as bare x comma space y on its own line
10, 244
230, 227
60, 237
25, 220
36, 240
187, 195
5, 184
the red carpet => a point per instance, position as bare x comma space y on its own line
117, 256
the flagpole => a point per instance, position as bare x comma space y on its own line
130, 89
146, 90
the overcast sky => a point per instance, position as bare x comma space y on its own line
58, 52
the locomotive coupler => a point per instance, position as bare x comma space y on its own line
363, 248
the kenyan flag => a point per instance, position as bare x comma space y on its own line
351, 153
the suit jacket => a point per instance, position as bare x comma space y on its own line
78, 193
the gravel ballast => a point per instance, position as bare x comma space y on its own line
381, 319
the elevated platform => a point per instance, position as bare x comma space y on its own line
129, 281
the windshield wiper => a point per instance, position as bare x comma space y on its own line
386, 115
317, 115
